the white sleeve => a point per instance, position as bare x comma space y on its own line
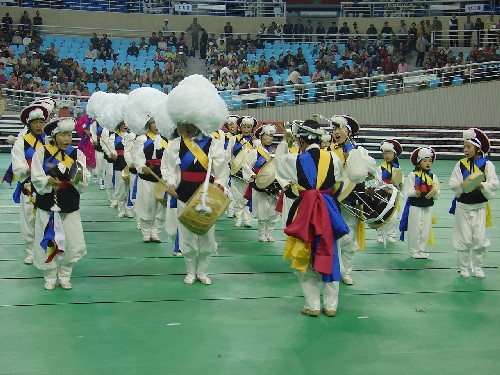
138, 153
435, 183
337, 167
491, 184
286, 163
220, 169
93, 132
38, 176
230, 145
248, 164
171, 164
20, 166
105, 143
456, 180
378, 176
80, 187
410, 190
128, 146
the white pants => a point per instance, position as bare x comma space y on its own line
391, 228
75, 242
348, 244
419, 229
309, 281
63, 272
151, 212
27, 223
108, 181
287, 204
197, 249
469, 235
238, 188
99, 164
121, 192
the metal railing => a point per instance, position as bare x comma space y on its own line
332, 90
418, 8
238, 8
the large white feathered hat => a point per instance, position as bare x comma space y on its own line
163, 122
196, 101
142, 106
113, 112
95, 104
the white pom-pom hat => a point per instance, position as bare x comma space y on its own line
247, 120
477, 138
268, 129
59, 125
391, 145
96, 104
196, 101
232, 119
345, 121
142, 105
421, 153
113, 114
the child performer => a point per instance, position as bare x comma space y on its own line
59, 175
314, 223
197, 109
471, 211
34, 117
263, 200
240, 143
421, 188
391, 149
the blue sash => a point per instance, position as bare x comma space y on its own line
188, 157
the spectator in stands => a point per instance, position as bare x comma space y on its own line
91, 53
172, 39
17, 39
453, 30
203, 44
321, 31
105, 42
133, 50
437, 27
195, 29
158, 56
271, 90
96, 43
37, 21
104, 76
402, 67
153, 40
53, 86
165, 26
300, 91
228, 29
333, 30
7, 21
421, 47
3, 78
298, 30
25, 19
162, 43
143, 45
65, 87
308, 30
479, 27
468, 27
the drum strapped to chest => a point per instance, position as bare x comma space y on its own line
237, 161
204, 207
472, 181
126, 174
76, 172
266, 179
347, 189
375, 206
397, 176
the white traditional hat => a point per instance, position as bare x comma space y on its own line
141, 107
196, 101
59, 125
477, 138
113, 112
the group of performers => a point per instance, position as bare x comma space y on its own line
154, 153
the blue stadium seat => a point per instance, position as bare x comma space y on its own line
434, 83
381, 89
457, 80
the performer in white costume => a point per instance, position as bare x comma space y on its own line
197, 109
34, 118
59, 175
471, 211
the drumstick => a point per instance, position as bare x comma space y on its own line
160, 180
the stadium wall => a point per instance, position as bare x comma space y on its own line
130, 23
461, 106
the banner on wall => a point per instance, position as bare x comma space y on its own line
152, 6
183, 7
474, 8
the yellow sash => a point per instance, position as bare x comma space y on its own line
152, 135
338, 151
31, 139
196, 150
53, 150
263, 153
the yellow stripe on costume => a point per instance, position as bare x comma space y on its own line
196, 150
323, 164
263, 153
299, 252
489, 223
339, 152
152, 135
53, 150
30, 138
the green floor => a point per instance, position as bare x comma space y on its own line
130, 313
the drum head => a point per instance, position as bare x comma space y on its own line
161, 193
237, 161
397, 176
346, 190
472, 181
266, 175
